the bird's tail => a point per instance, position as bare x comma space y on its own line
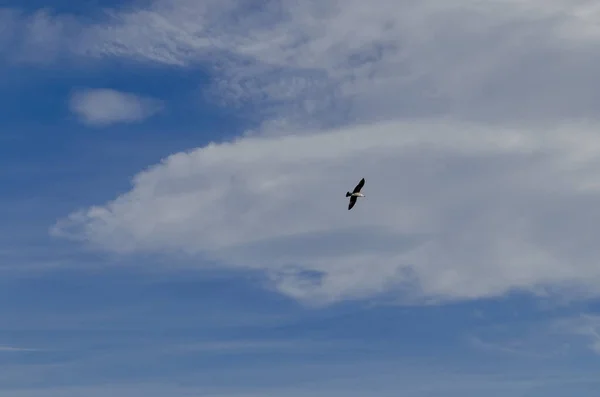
348, 194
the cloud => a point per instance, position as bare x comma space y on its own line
251, 346
544, 339
16, 349
585, 325
100, 107
531, 339
466, 120
330, 381
307, 63
41, 37
453, 210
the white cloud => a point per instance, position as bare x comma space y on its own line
453, 210
323, 62
105, 106
327, 62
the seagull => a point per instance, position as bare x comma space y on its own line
356, 193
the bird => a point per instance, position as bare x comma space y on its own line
355, 194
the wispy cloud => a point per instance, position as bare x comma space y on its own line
586, 326
16, 349
41, 37
539, 344
413, 383
245, 346
101, 107
541, 338
307, 62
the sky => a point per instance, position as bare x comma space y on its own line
174, 219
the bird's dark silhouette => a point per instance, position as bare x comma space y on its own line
355, 194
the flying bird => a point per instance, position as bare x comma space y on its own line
355, 194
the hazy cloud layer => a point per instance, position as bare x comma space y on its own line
101, 107
41, 37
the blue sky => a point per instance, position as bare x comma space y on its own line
174, 219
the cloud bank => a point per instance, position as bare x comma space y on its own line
474, 124
453, 210
102, 107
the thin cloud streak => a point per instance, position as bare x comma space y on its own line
17, 349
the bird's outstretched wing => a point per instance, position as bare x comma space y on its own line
352, 202
359, 186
